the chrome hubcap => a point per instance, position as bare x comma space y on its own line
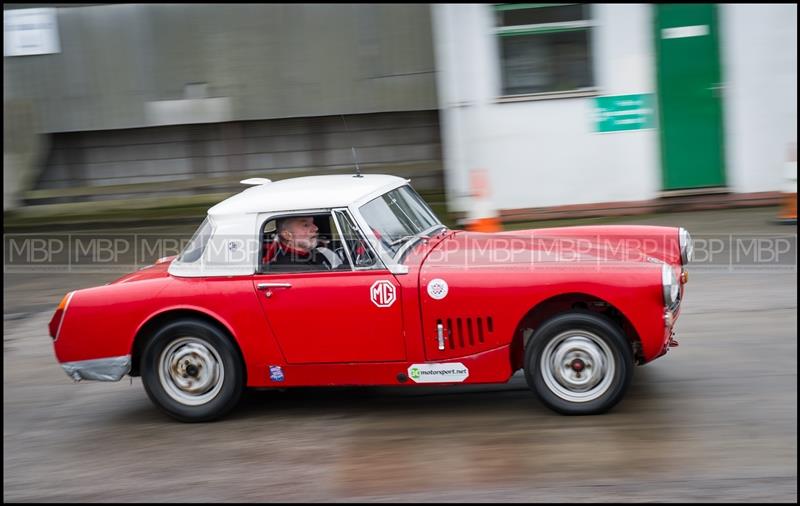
577, 366
191, 371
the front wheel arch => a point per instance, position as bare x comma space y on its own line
563, 303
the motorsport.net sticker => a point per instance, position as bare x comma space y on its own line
438, 373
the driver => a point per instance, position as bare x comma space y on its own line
298, 239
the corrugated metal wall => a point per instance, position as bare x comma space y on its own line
271, 60
187, 92
184, 152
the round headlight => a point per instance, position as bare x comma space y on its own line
670, 285
687, 246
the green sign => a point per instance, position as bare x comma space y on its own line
624, 112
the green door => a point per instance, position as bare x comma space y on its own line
689, 96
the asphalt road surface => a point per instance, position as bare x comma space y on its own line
714, 420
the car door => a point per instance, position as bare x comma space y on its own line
351, 314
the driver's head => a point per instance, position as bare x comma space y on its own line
298, 232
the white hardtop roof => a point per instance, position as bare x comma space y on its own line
310, 192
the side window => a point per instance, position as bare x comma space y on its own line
194, 250
355, 245
544, 48
301, 243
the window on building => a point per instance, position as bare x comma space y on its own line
544, 48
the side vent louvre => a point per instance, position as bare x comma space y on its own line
461, 333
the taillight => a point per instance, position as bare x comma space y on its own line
55, 322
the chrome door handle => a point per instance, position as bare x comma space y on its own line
267, 286
440, 335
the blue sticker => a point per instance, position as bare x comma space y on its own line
275, 373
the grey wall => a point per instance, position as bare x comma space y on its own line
401, 141
271, 61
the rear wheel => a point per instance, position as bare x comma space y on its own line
192, 371
579, 363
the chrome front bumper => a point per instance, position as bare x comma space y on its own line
101, 369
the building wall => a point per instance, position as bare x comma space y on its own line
759, 51
218, 151
542, 153
138, 65
207, 76
169, 92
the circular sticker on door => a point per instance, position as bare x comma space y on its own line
437, 289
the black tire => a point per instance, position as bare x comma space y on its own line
206, 376
587, 366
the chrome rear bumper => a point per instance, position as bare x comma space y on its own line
101, 369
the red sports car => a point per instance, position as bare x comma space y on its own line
352, 280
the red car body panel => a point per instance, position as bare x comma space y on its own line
616, 241
503, 276
330, 318
102, 321
487, 367
327, 329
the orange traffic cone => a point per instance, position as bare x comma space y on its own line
788, 212
482, 216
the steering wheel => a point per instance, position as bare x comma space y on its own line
361, 253
333, 259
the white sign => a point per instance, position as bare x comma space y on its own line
452, 372
437, 289
680, 32
30, 32
382, 293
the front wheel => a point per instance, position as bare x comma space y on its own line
192, 371
579, 363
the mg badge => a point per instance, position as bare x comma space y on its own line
382, 293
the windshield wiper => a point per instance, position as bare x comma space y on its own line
405, 238
422, 235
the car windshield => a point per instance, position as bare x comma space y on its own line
399, 218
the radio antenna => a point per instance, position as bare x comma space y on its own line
353, 149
